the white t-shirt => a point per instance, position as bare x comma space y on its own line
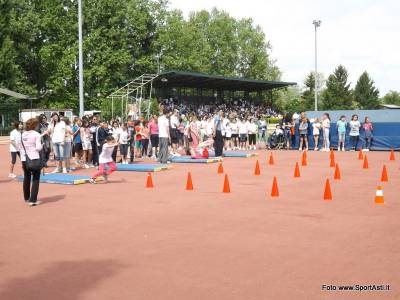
115, 133
58, 132
354, 128
228, 130
174, 121
163, 127
15, 136
225, 122
316, 128
234, 128
252, 128
123, 136
326, 123
210, 127
242, 128
106, 154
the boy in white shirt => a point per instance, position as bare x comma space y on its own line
15, 140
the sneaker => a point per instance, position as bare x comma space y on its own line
12, 175
34, 203
56, 170
93, 181
86, 166
315, 149
64, 171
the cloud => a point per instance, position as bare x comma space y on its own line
360, 34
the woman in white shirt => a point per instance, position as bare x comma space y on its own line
57, 132
15, 140
30, 146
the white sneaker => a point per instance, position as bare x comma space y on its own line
93, 181
34, 203
64, 171
12, 175
315, 149
86, 166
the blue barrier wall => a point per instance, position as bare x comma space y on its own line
386, 134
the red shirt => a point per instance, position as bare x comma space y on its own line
138, 134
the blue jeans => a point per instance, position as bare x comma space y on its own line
58, 151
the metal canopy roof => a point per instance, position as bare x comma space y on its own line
13, 94
216, 82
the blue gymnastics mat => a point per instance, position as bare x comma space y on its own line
142, 167
188, 159
235, 154
59, 178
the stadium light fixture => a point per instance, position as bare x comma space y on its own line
316, 23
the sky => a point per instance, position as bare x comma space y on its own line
362, 35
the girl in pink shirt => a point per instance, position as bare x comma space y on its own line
153, 127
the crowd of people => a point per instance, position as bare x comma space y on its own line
92, 142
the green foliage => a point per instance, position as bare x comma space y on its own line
122, 40
366, 95
337, 94
392, 97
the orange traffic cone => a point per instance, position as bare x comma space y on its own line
384, 176
304, 159
220, 168
275, 191
360, 155
189, 183
297, 170
337, 172
392, 157
257, 168
332, 154
332, 164
226, 188
271, 159
379, 195
365, 164
149, 181
327, 192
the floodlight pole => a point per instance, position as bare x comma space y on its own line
81, 95
316, 25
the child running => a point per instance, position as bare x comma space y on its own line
106, 163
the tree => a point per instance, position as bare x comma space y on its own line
392, 97
337, 94
366, 95
121, 40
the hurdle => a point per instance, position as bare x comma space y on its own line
142, 167
59, 178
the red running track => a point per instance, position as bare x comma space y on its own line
122, 241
